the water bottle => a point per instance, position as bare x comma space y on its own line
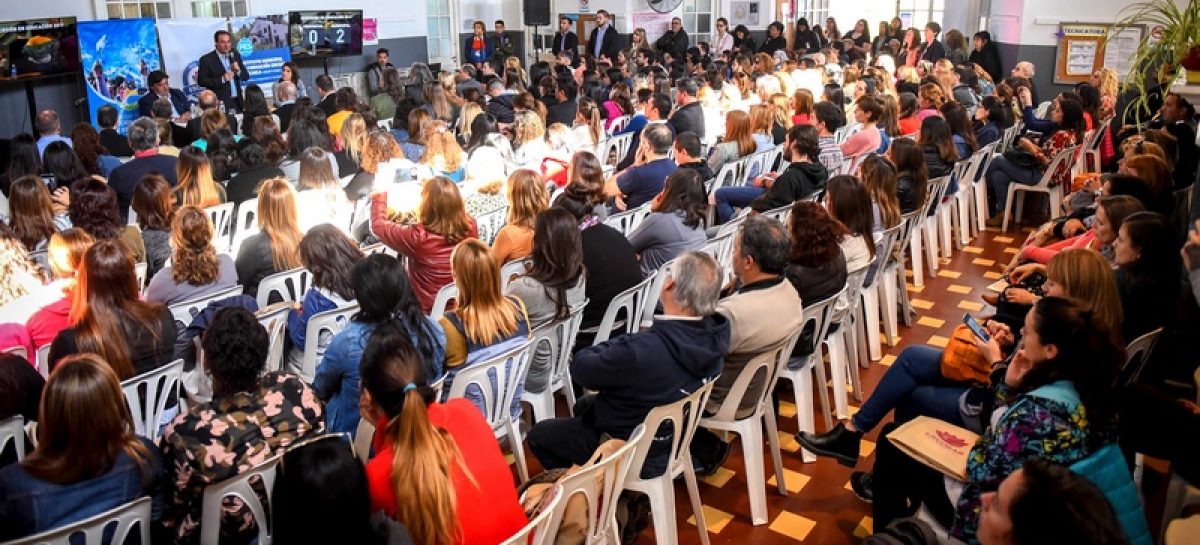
12, 71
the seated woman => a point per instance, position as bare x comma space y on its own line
529, 140
196, 186
384, 297
196, 270
1110, 214
349, 145
308, 129
526, 198
428, 244
414, 146
908, 123
154, 204
848, 203
65, 252
989, 119
437, 468
879, 179
323, 479
962, 134
1148, 267
442, 155
867, 140
930, 98
251, 418
675, 224
586, 132
816, 268
329, 255
132, 335
1002, 172
378, 148
93, 208
22, 280
554, 284
275, 247
912, 180
484, 323
938, 147
320, 193
87, 460
737, 143
487, 149
761, 123
33, 216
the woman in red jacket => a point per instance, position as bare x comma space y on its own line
433, 461
442, 223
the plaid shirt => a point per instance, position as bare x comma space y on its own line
831, 154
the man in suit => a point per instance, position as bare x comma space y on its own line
207, 101
564, 111
375, 71
326, 92
675, 41
160, 87
565, 40
222, 71
143, 138
285, 97
604, 41
113, 141
688, 117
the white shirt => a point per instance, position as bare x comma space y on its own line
721, 43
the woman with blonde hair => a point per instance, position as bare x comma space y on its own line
930, 98
66, 252
379, 147
529, 140
450, 86
781, 118
761, 121
466, 116
443, 156
196, 186
587, 132
438, 105
196, 270
526, 197
211, 121
349, 144
907, 80
442, 224
437, 466
737, 143
638, 40
275, 247
1105, 79
86, 442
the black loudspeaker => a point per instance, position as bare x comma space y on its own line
537, 12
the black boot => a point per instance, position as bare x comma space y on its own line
839, 443
860, 482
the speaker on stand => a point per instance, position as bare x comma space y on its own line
537, 13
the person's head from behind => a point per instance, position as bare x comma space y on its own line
84, 424
693, 285
935, 132
106, 297
527, 197
849, 202
557, 258
585, 179
878, 177
94, 209
66, 250
1085, 275
31, 210
47, 123
1150, 169
657, 138
329, 254
760, 249
485, 313
683, 192
235, 351
193, 257
815, 235
1044, 503
317, 479
107, 116
154, 203
143, 134
442, 210
277, 220
829, 116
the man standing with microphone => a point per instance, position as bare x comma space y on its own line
222, 71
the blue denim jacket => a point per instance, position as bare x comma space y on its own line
29, 505
337, 381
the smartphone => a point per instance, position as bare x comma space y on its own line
976, 328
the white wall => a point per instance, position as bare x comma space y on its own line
17, 9
1039, 21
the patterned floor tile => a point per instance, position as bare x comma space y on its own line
719, 478
887, 359
786, 409
792, 525
993, 275
970, 305
866, 448
865, 528
793, 481
1002, 239
983, 262
921, 304
959, 289
946, 273
938, 341
929, 321
714, 518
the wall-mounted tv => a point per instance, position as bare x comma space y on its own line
330, 33
38, 48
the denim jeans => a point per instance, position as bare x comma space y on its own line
729, 197
913, 386
1003, 172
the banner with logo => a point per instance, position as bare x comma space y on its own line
263, 43
184, 41
117, 55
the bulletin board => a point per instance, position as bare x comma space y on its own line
1083, 48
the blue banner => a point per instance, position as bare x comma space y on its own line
263, 43
117, 55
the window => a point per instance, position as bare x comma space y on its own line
439, 17
132, 9
915, 13
816, 11
698, 20
219, 8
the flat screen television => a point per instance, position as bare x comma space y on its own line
331, 33
38, 48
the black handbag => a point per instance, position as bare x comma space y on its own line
1021, 158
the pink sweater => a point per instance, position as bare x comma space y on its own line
863, 141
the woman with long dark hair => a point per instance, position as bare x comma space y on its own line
253, 168
384, 297
93, 208
33, 216
23, 160
291, 72
849, 203
816, 267
196, 185
329, 254
912, 179
1067, 115
254, 105
275, 247
154, 204
1146, 253
675, 224
61, 166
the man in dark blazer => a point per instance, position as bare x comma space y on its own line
688, 117
675, 41
113, 141
143, 138
207, 101
565, 40
605, 40
564, 111
160, 87
326, 93
222, 71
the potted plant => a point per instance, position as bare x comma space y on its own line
1176, 45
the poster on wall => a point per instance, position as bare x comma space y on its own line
655, 23
262, 42
116, 56
370, 31
744, 13
183, 42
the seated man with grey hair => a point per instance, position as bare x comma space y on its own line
764, 312
632, 374
285, 100
143, 139
640, 183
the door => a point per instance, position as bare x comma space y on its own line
442, 39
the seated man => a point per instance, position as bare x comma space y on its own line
632, 374
763, 313
207, 101
644, 180
160, 87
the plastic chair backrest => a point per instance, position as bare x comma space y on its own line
246, 224
536, 530
1137, 354
147, 395
239, 487
139, 271
288, 285
618, 124
654, 292
497, 380
683, 417
16, 351
513, 269
1062, 156
559, 336
623, 222
820, 314
781, 214
728, 176
184, 312
363, 437
599, 482
12, 429
490, 223
329, 322
763, 368
448, 293
274, 319
117, 523
222, 220
632, 301
378, 248
883, 250
911, 222
43, 360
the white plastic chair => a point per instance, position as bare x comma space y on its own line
16, 351
842, 343
273, 318
288, 285
762, 370
497, 380
683, 417
727, 176
222, 220
513, 269
327, 324
378, 248
239, 487
43, 360
448, 293
537, 530
617, 147
183, 313
801, 375
779, 214
147, 395
12, 429
600, 486
655, 292
894, 294
633, 302
364, 435
1043, 186
93, 529
559, 336
139, 271
933, 207
979, 186
626, 222
869, 309
246, 223
490, 223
